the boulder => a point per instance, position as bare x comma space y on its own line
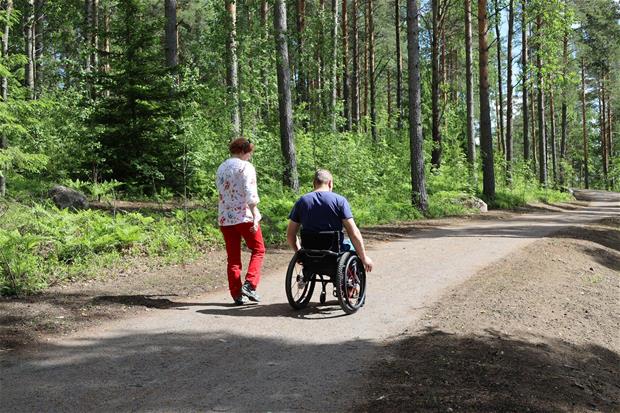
69, 198
475, 203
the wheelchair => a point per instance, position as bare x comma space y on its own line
322, 260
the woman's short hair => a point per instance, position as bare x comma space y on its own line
240, 145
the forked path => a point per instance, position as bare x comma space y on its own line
205, 355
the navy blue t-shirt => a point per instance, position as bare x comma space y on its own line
321, 211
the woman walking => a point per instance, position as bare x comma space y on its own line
239, 218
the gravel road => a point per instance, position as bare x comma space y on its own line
206, 355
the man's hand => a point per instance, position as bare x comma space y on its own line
367, 263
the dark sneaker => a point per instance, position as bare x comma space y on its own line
241, 300
248, 291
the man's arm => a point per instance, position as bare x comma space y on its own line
291, 235
358, 242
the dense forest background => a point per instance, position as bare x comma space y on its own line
415, 106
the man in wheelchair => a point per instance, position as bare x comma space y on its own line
322, 211
323, 256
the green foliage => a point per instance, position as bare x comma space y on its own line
42, 245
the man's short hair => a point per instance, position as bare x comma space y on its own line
322, 177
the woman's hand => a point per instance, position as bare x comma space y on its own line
254, 227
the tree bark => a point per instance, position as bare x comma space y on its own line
371, 72
334, 80
586, 173
287, 134
524, 88
30, 47
302, 84
4, 141
346, 80
366, 70
542, 140
8, 9
233, 67
94, 36
509, 91
172, 32
106, 38
564, 110
355, 95
88, 27
37, 30
500, 90
435, 89
603, 128
266, 104
469, 82
554, 163
389, 98
486, 138
419, 197
399, 68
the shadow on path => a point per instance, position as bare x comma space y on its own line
192, 372
438, 371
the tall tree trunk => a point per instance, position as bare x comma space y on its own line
233, 67
266, 104
509, 91
30, 46
564, 110
586, 173
302, 84
500, 90
287, 134
371, 72
355, 78
334, 85
524, 86
38, 31
366, 70
603, 127
8, 9
533, 130
435, 89
610, 122
88, 27
399, 68
554, 163
106, 38
486, 138
4, 141
389, 98
346, 79
469, 82
542, 141
94, 36
320, 69
419, 197
172, 33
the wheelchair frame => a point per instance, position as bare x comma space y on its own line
321, 260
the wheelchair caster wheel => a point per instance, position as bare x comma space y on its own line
322, 298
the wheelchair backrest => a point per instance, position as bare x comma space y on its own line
324, 240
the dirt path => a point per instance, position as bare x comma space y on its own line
206, 355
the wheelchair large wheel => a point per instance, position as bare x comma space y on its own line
298, 287
350, 283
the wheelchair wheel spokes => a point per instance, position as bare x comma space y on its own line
351, 283
299, 287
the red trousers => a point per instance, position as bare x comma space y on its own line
254, 241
